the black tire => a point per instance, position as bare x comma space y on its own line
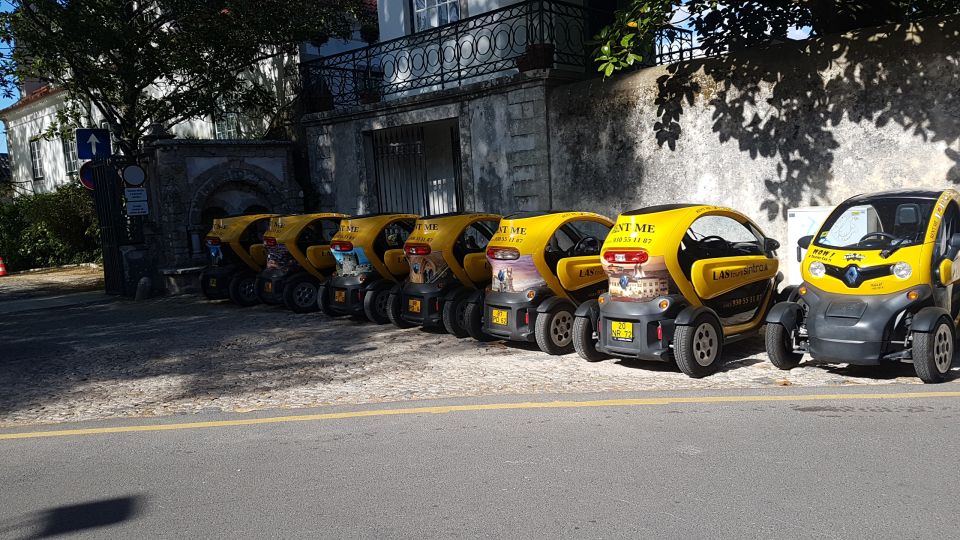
583, 341
933, 351
300, 293
473, 321
323, 302
698, 347
554, 330
779, 342
455, 316
375, 304
243, 289
395, 309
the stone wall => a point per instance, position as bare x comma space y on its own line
502, 132
793, 125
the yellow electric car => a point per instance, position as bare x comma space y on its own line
684, 280
879, 284
236, 255
369, 260
448, 263
298, 259
543, 266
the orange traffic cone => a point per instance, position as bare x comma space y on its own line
3, 267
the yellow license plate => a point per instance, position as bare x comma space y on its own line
213, 282
499, 316
340, 296
413, 306
621, 331
268, 286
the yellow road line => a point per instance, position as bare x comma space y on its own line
443, 409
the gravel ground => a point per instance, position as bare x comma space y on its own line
184, 355
50, 281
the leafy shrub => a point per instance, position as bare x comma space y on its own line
49, 229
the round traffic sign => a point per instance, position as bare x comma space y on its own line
134, 175
86, 175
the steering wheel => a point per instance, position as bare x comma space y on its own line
587, 245
878, 234
714, 238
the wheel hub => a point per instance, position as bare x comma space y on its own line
561, 329
705, 344
942, 348
305, 294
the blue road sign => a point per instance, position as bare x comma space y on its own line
93, 144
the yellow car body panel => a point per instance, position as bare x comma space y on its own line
576, 273
441, 233
321, 258
529, 235
287, 230
714, 277
362, 232
230, 230
477, 267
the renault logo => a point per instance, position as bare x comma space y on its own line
852, 275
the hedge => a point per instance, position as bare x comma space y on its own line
49, 229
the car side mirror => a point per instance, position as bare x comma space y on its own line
804, 241
769, 244
945, 270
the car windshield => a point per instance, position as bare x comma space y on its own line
881, 224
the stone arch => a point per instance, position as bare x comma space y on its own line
238, 177
230, 189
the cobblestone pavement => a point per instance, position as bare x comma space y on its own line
50, 281
183, 355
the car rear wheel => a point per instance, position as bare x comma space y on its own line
243, 289
323, 302
300, 294
697, 347
395, 310
375, 304
554, 330
473, 321
933, 351
583, 341
455, 316
779, 342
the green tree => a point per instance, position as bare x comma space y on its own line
140, 62
729, 25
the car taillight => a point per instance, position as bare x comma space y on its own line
659, 332
629, 257
213, 241
269, 241
526, 318
340, 245
417, 249
503, 254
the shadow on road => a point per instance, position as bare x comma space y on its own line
75, 518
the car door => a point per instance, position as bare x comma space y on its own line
946, 291
732, 275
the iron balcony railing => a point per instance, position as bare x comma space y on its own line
534, 34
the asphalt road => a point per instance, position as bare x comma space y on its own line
781, 463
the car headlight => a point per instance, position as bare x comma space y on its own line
902, 270
817, 269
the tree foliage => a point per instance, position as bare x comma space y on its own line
140, 62
49, 229
735, 24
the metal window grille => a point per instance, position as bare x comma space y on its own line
404, 183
